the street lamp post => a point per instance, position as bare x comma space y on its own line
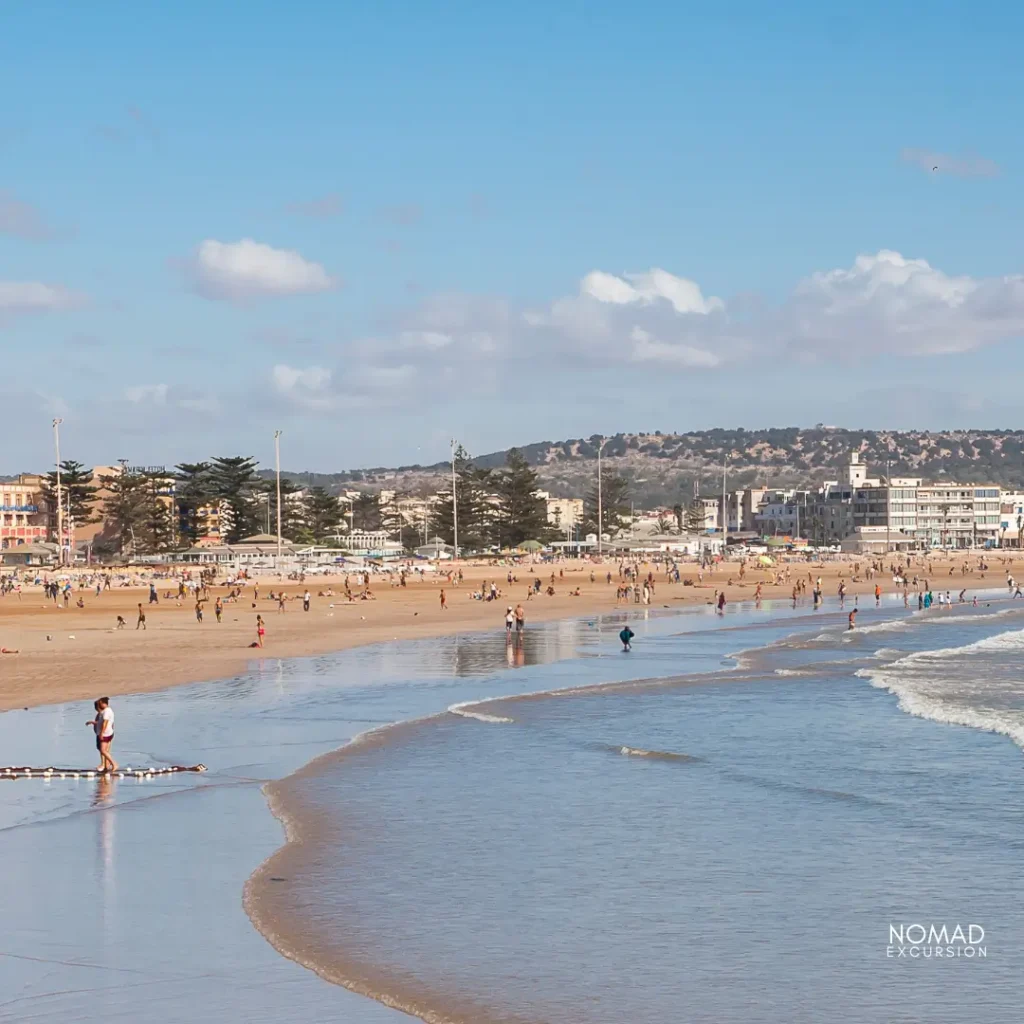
600, 508
455, 509
60, 503
277, 470
888, 506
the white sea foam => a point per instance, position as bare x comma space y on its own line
961, 685
793, 671
463, 711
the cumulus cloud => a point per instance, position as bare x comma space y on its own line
310, 388
317, 209
889, 303
969, 165
237, 271
22, 220
883, 303
684, 296
18, 297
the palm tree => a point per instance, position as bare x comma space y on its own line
1020, 523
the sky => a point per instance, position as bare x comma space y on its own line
378, 226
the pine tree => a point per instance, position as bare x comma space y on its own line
615, 511
193, 494
158, 523
520, 514
77, 494
235, 484
366, 514
321, 513
694, 520
475, 511
125, 508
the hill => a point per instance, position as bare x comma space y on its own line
663, 467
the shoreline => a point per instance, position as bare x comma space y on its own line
282, 927
75, 654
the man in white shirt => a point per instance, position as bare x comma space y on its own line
103, 725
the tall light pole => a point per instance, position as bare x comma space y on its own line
600, 507
888, 505
60, 503
277, 470
725, 507
455, 509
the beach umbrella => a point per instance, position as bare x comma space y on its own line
531, 545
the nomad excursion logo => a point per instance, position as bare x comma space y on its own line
936, 942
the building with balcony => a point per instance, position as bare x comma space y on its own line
23, 518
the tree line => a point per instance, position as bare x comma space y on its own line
151, 511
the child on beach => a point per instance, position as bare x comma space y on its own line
626, 637
260, 630
103, 725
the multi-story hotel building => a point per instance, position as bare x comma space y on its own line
22, 512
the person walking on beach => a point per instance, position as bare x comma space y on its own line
103, 725
141, 621
153, 597
626, 636
520, 616
509, 622
199, 612
260, 630
878, 595
721, 603
218, 608
444, 600
305, 598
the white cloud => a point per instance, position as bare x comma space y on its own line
237, 271
310, 388
21, 220
150, 394
889, 303
683, 295
649, 349
969, 165
17, 297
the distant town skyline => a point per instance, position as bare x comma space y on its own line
378, 227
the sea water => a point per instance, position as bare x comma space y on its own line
726, 846
732, 844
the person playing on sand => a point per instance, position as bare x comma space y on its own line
103, 725
141, 621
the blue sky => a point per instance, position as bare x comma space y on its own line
376, 226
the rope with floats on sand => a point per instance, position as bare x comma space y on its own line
14, 772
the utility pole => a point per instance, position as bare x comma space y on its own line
60, 502
888, 506
725, 507
455, 508
600, 509
277, 470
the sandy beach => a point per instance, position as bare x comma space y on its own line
76, 653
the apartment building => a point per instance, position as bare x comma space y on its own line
22, 512
958, 515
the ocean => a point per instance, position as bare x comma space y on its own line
730, 823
